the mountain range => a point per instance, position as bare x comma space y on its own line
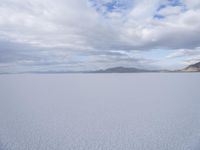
190, 68
123, 70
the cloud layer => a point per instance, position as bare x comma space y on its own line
64, 35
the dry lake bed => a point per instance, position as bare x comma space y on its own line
144, 111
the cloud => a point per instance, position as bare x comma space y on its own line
71, 34
188, 56
169, 11
185, 53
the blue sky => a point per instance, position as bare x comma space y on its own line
76, 35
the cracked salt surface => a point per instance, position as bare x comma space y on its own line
151, 111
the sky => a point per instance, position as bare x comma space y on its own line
72, 35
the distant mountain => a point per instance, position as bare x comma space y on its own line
192, 68
122, 70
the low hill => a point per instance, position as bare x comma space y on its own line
192, 68
122, 70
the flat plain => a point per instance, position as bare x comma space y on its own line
142, 111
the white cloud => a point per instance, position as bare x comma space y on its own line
185, 56
171, 10
192, 4
185, 53
75, 26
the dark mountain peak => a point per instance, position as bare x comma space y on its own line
193, 68
195, 65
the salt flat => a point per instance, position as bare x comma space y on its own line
150, 111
